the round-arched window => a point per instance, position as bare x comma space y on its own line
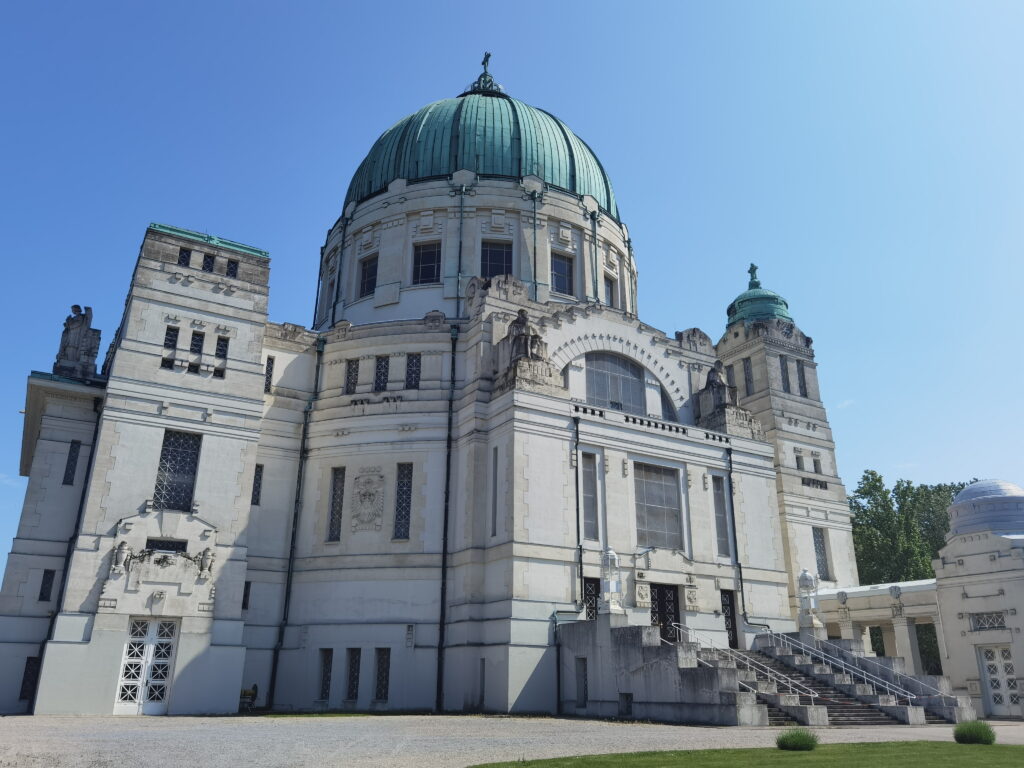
615, 382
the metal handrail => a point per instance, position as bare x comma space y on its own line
858, 659
832, 661
752, 665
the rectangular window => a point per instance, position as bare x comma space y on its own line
817, 466
222, 348
337, 504
184, 257
383, 674
800, 462
591, 594
218, 373
801, 378
748, 377
367, 276
29, 678
257, 485
821, 554
426, 263
176, 472
46, 586
193, 368
494, 491
403, 501
355, 657
208, 261
658, 511
166, 545
561, 274
412, 370
812, 482
171, 337
268, 374
784, 369
246, 592
730, 376
495, 259
609, 292
380, 373
196, 344
581, 682
167, 363
71, 465
721, 516
232, 269
326, 662
588, 470
351, 376
984, 621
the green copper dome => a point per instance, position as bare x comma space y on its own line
757, 303
487, 132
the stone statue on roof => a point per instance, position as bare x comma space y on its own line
79, 345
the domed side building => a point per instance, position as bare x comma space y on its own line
476, 446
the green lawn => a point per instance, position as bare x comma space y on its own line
912, 754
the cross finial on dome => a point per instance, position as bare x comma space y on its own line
487, 58
485, 83
754, 282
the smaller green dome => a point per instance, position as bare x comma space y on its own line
757, 303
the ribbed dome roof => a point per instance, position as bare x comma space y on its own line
985, 488
988, 505
487, 132
757, 303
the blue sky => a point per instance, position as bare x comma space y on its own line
866, 155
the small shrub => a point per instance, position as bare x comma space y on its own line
974, 732
797, 739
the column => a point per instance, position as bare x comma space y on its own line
889, 640
905, 637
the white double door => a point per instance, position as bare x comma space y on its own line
1000, 677
144, 685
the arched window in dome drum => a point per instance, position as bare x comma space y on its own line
615, 382
668, 409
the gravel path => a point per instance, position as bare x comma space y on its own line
381, 742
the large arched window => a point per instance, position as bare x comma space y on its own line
615, 382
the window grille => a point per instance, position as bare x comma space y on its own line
801, 377
403, 501
257, 485
337, 504
748, 377
196, 344
495, 259
367, 276
380, 373
268, 374
784, 368
29, 678
171, 337
383, 675
582, 693
355, 656
591, 594
71, 465
351, 376
615, 382
46, 586
208, 261
821, 554
609, 292
721, 516
176, 472
413, 363
981, 622
222, 348
658, 511
167, 545
184, 257
246, 592
561, 274
426, 264
326, 662
588, 470
232, 269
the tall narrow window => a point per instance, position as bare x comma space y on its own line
588, 470
784, 369
721, 516
326, 662
495, 259
176, 472
403, 501
268, 374
171, 337
29, 678
367, 276
337, 504
591, 596
222, 348
581, 682
381, 372
748, 377
195, 346
426, 263
232, 269
609, 292
800, 462
257, 485
208, 262
817, 466
184, 257
658, 511
355, 657
246, 592
668, 408
71, 465
383, 674
561, 274
801, 378
494, 491
46, 586
351, 376
413, 363
730, 376
821, 553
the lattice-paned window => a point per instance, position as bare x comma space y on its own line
268, 374
46, 586
821, 553
146, 665
171, 337
367, 276
658, 510
257, 485
184, 257
351, 376
195, 346
784, 369
232, 268
381, 371
426, 263
748, 377
403, 501
355, 657
801, 377
382, 678
222, 348
588, 480
721, 516
562, 274
495, 259
615, 382
985, 621
29, 678
326, 663
591, 594
176, 472
71, 465
337, 504
413, 364
208, 262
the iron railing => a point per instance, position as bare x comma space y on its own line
858, 660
